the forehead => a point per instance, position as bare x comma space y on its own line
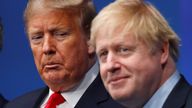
107, 37
52, 19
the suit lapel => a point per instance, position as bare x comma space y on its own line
39, 97
179, 95
94, 95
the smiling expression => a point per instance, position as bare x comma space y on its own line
130, 72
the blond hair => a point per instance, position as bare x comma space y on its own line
141, 19
84, 10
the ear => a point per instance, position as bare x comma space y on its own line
91, 48
165, 52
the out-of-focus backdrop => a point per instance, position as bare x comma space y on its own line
18, 73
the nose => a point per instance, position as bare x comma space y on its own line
49, 46
112, 64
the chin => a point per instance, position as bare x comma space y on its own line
58, 87
115, 94
118, 97
61, 86
119, 94
54, 84
55, 89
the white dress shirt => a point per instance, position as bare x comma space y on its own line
160, 96
72, 97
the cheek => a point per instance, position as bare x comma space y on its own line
37, 57
147, 75
74, 55
103, 73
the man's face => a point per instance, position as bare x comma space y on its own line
129, 71
59, 47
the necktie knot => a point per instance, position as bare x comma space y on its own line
54, 100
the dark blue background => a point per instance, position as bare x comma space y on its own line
18, 73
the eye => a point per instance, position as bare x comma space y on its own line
123, 50
36, 38
61, 34
102, 55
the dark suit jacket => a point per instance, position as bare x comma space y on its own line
3, 101
181, 96
94, 97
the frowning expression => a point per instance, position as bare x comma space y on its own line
59, 47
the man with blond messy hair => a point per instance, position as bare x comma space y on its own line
138, 51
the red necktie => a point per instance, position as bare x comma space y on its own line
54, 100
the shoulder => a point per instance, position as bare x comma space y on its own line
96, 96
3, 101
181, 95
189, 100
29, 99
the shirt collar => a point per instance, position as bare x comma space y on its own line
160, 96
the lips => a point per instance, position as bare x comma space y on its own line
51, 66
117, 79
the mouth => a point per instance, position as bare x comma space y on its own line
51, 67
117, 80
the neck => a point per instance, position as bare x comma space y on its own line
168, 69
